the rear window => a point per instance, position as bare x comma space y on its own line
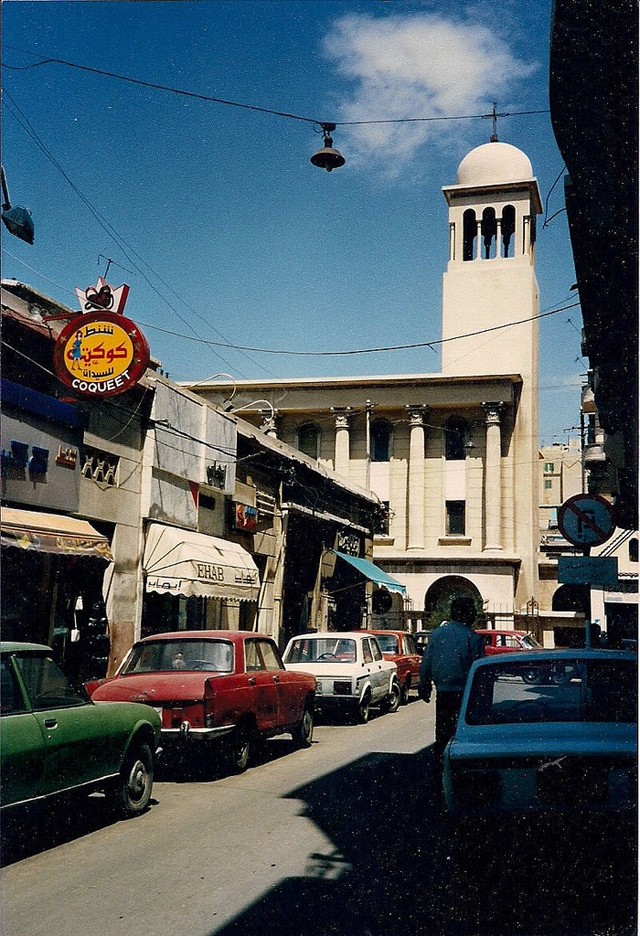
566, 691
388, 643
163, 656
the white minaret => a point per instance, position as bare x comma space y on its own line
490, 282
490, 278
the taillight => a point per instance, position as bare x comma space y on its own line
208, 704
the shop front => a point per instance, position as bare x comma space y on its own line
53, 568
194, 581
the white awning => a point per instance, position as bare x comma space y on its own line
183, 562
52, 533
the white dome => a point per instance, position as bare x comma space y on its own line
493, 163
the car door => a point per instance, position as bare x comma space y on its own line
290, 693
413, 657
22, 743
264, 683
79, 741
379, 675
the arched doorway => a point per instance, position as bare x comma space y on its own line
437, 599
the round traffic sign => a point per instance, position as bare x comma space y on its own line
586, 520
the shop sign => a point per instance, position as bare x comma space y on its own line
100, 354
246, 518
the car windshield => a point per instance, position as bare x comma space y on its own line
576, 690
388, 643
161, 656
321, 650
530, 642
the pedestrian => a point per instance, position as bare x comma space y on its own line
446, 662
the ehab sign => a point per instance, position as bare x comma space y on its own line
100, 354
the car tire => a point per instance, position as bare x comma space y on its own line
392, 702
302, 733
404, 693
239, 750
135, 782
531, 676
363, 709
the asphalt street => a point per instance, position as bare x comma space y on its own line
347, 838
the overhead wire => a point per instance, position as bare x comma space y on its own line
117, 237
253, 107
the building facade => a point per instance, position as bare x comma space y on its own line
453, 456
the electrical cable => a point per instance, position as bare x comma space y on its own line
404, 347
253, 107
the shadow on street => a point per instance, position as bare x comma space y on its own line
398, 865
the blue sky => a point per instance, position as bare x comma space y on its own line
214, 215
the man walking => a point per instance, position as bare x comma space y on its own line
446, 661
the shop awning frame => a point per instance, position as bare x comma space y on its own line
52, 533
373, 573
192, 564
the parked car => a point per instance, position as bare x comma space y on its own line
556, 747
507, 641
219, 691
351, 671
55, 740
399, 647
421, 639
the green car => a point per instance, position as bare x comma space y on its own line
54, 739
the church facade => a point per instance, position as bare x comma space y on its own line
454, 455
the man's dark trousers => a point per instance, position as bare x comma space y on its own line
447, 709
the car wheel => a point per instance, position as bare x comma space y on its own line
302, 734
404, 693
362, 711
135, 782
239, 750
531, 676
392, 702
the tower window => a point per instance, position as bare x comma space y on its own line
633, 550
455, 436
488, 228
470, 231
381, 435
508, 227
309, 440
455, 518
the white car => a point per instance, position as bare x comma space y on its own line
352, 674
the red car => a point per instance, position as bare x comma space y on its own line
507, 641
220, 691
400, 648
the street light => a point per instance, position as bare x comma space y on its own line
18, 221
328, 158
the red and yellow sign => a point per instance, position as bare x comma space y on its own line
100, 354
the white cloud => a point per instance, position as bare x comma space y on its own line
424, 65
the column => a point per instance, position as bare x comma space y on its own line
492, 477
342, 452
479, 240
415, 505
498, 238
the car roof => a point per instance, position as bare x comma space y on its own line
491, 630
235, 636
385, 630
13, 646
555, 656
336, 635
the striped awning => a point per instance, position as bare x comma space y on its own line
52, 533
188, 563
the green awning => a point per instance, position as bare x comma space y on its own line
373, 573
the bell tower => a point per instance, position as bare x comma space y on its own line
490, 279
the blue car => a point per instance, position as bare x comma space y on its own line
566, 742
